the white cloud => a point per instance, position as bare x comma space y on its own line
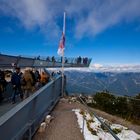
115, 68
104, 68
96, 65
107, 14
91, 17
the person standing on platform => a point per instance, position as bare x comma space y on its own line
44, 78
16, 79
28, 87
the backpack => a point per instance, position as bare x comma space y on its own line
22, 81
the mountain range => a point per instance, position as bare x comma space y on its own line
89, 82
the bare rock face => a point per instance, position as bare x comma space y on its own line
44, 124
42, 127
48, 119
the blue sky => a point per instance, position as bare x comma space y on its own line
108, 31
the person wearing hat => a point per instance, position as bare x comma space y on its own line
16, 79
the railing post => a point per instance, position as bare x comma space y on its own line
83, 127
30, 134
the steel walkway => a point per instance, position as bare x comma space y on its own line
22, 119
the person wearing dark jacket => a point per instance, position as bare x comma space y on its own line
16, 82
3, 84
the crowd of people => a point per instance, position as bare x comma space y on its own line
81, 60
78, 60
23, 84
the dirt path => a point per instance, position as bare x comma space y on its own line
64, 126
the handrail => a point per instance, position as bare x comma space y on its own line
42, 62
111, 132
27, 115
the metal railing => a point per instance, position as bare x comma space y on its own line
24, 119
106, 126
27, 61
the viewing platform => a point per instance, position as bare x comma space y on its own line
8, 61
33, 109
